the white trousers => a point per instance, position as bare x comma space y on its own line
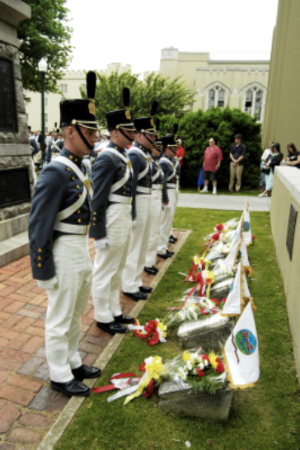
176, 203
166, 222
156, 209
135, 262
110, 262
66, 305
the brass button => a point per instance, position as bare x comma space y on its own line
71, 157
90, 203
78, 220
94, 218
147, 185
77, 186
39, 265
73, 178
78, 212
94, 224
39, 257
40, 250
124, 192
95, 213
68, 168
79, 195
76, 159
124, 186
116, 148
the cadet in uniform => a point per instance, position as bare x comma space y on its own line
60, 260
56, 148
169, 142
111, 221
175, 160
139, 155
156, 205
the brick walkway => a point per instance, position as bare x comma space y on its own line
28, 407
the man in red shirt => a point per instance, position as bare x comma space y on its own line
180, 155
211, 163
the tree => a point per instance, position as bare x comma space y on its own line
45, 35
195, 129
172, 95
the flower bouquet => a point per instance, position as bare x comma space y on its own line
193, 308
231, 224
197, 369
153, 332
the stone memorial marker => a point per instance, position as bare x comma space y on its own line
16, 173
291, 231
221, 290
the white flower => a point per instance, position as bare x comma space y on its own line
182, 373
205, 362
201, 366
189, 365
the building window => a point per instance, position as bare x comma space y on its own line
46, 102
216, 97
253, 103
64, 88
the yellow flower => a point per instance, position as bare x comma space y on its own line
186, 356
163, 328
212, 358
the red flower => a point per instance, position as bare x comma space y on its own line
219, 227
220, 367
216, 236
216, 301
206, 357
214, 310
253, 237
203, 311
224, 299
151, 326
200, 372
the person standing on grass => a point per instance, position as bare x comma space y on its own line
211, 164
60, 261
237, 155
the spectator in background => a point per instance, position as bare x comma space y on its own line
211, 163
180, 155
265, 155
237, 155
293, 158
273, 160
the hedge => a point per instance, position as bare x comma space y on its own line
195, 129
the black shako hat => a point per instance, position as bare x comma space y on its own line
146, 124
121, 118
81, 112
170, 139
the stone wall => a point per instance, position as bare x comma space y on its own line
15, 150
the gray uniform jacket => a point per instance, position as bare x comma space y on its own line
107, 170
167, 170
155, 168
57, 188
139, 164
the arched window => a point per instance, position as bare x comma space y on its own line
253, 102
216, 97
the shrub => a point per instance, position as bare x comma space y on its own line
195, 129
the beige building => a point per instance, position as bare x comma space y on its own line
70, 88
236, 84
282, 110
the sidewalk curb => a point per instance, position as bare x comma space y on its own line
73, 405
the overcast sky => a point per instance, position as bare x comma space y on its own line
135, 31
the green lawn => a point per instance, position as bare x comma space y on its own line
262, 418
222, 191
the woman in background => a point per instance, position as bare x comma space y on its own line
273, 160
293, 158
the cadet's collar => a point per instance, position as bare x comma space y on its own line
138, 145
115, 147
75, 159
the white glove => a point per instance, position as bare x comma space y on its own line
134, 223
48, 284
101, 243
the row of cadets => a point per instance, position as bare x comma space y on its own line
156, 205
111, 222
169, 142
140, 157
60, 260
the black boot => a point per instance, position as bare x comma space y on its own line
170, 253
124, 319
136, 296
151, 270
164, 256
112, 327
146, 290
86, 372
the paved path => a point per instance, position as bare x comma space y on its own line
225, 202
28, 407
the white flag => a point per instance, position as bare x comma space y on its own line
237, 234
232, 255
239, 291
247, 233
244, 254
241, 352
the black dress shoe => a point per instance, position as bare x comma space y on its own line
151, 270
172, 240
170, 253
112, 327
124, 319
86, 372
136, 296
73, 388
164, 256
146, 289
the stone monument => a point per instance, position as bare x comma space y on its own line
16, 173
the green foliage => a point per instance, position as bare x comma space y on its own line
45, 35
209, 383
195, 129
172, 95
